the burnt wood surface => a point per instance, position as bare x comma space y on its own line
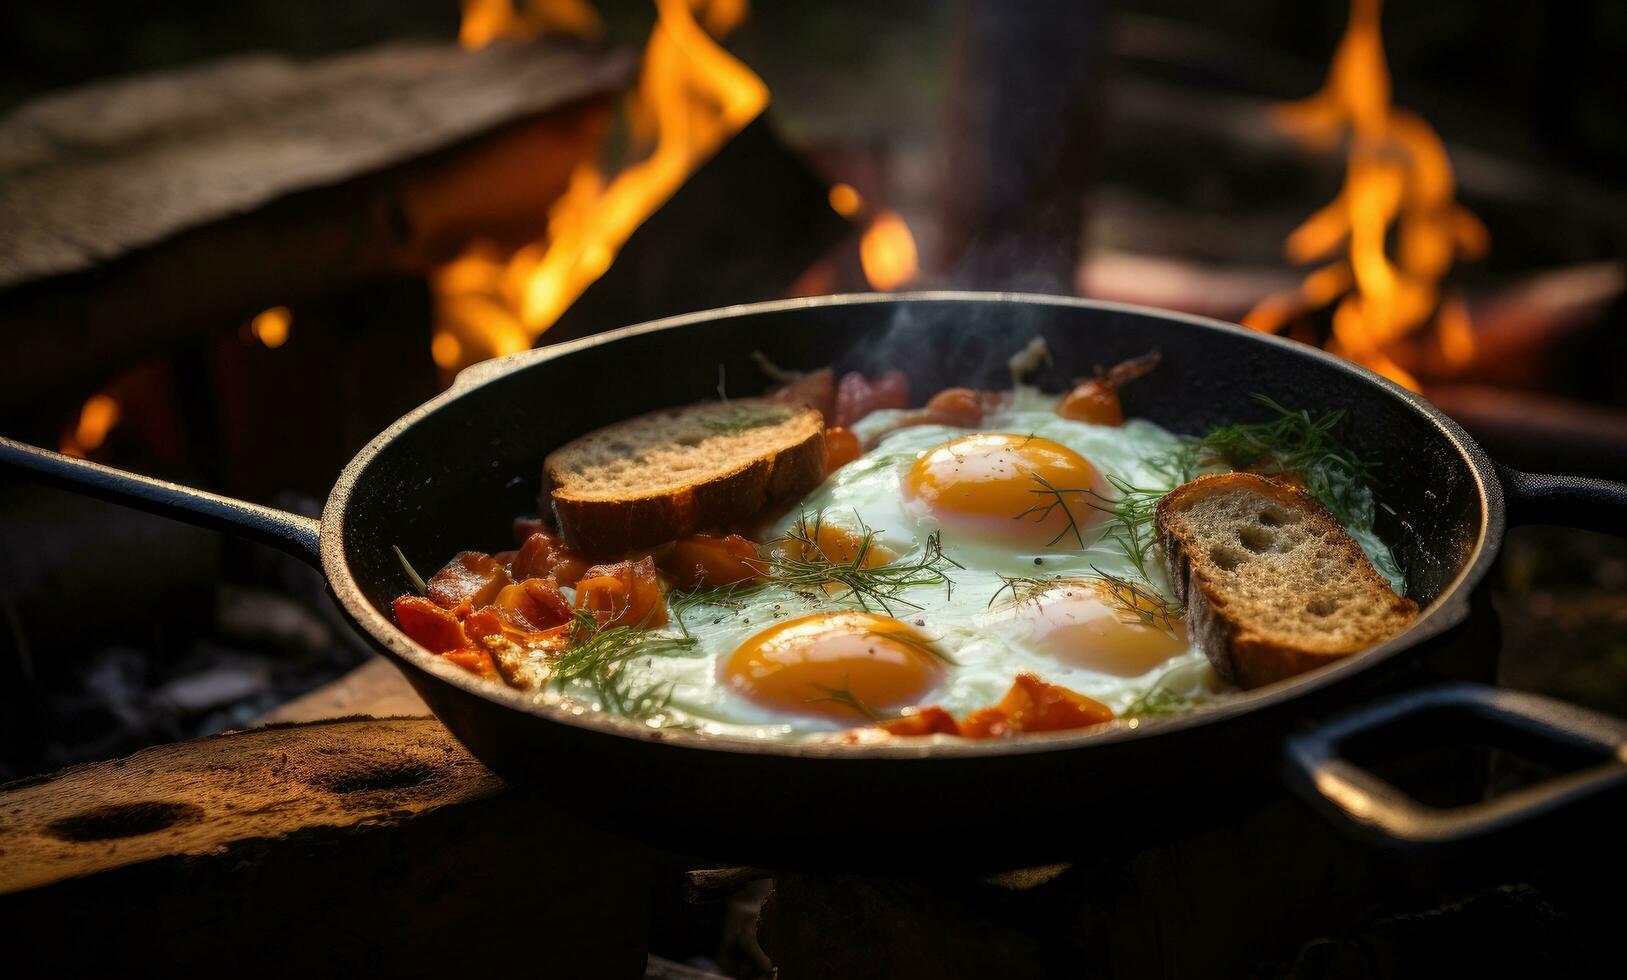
138, 214
92, 173
359, 847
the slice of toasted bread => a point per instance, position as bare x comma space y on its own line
1273, 585
650, 479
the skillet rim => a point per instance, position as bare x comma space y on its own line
1448, 610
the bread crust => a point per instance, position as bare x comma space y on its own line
598, 527
1227, 627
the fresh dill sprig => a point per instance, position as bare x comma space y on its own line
739, 418
412, 573
1142, 600
806, 568
727, 596
1023, 588
1130, 519
919, 644
1294, 443
600, 655
843, 695
1159, 701
1053, 498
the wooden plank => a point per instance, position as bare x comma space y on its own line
124, 239
375, 689
90, 174
366, 847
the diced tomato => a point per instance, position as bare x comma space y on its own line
711, 560
1095, 401
841, 448
816, 389
986, 723
1031, 705
473, 659
544, 555
626, 593
469, 581
928, 721
431, 627
961, 407
858, 396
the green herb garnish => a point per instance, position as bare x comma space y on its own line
843, 695
1159, 701
1140, 599
812, 569
1053, 498
727, 596
1294, 443
412, 573
739, 418
600, 655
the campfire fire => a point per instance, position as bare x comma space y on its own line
692, 96
1393, 313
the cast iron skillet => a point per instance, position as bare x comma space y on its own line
453, 473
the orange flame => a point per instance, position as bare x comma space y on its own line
271, 327
887, 252
484, 21
97, 417
1397, 179
692, 96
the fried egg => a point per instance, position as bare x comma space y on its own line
1033, 585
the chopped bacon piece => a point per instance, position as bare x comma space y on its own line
816, 389
431, 627
1035, 706
858, 396
534, 604
624, 594
544, 555
711, 560
491, 624
928, 721
469, 581
472, 659
961, 407
841, 448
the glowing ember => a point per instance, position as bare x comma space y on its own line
1397, 181
845, 200
692, 96
887, 252
271, 327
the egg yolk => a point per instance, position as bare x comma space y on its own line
1020, 489
837, 665
1082, 623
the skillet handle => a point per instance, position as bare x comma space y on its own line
1371, 807
1571, 501
292, 533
